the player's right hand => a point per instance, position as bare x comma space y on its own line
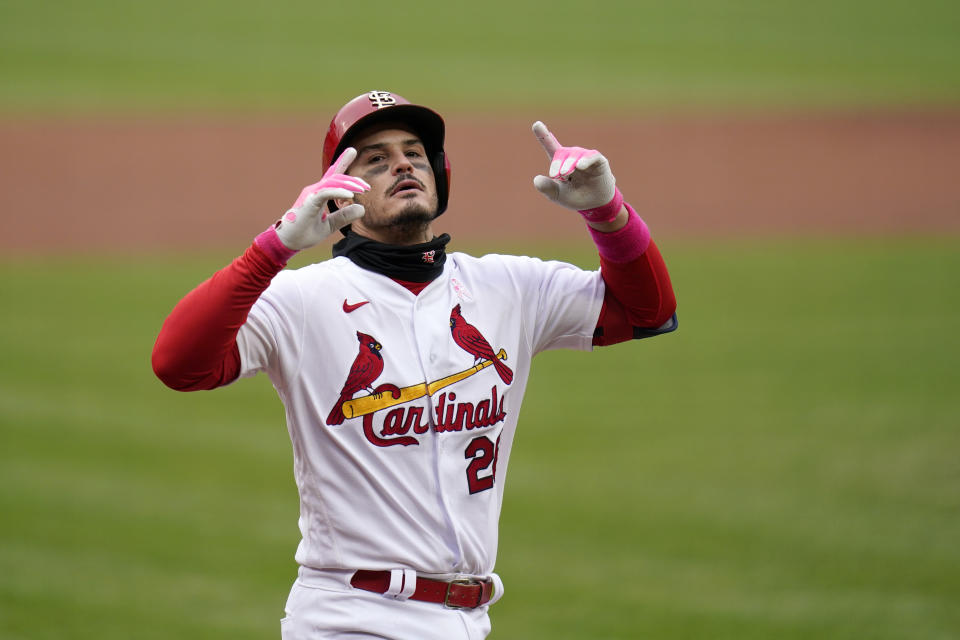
308, 221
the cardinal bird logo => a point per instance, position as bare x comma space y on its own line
472, 341
366, 367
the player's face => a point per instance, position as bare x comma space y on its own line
402, 200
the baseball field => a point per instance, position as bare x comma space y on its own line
786, 465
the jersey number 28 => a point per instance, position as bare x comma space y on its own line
482, 453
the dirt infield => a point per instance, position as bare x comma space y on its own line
190, 183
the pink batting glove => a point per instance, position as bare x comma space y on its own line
307, 222
580, 179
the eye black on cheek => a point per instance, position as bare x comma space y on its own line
375, 171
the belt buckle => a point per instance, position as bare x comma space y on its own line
462, 581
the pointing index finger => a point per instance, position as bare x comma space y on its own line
547, 140
341, 164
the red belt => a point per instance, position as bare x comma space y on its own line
467, 593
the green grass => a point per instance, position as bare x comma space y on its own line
784, 466
616, 55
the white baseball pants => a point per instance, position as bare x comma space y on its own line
323, 604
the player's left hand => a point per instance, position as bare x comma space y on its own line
579, 178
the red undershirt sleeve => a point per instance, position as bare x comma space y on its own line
638, 302
197, 345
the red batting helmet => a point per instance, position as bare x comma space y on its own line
382, 106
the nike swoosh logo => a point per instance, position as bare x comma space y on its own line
349, 308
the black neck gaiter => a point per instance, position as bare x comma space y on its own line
412, 263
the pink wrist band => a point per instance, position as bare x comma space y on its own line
625, 244
607, 212
270, 243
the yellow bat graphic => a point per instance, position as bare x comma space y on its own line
377, 401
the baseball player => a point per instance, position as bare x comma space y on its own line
402, 366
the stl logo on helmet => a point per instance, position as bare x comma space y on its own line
381, 99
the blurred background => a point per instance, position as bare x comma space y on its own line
784, 465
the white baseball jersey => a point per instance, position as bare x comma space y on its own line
411, 475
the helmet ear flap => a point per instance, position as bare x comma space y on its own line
441, 176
